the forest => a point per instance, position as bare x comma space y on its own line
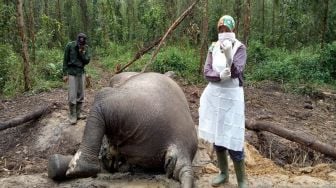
289, 82
290, 42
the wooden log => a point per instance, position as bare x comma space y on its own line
298, 137
35, 114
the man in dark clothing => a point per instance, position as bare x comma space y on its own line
76, 56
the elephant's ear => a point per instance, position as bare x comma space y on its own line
170, 74
119, 79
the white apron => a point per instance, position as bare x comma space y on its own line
222, 111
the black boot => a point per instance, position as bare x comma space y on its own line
72, 115
239, 167
223, 176
79, 111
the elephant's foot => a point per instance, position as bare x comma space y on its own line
58, 165
83, 166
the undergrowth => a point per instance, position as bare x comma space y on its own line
303, 71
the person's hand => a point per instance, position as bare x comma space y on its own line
225, 74
227, 44
227, 48
65, 79
82, 49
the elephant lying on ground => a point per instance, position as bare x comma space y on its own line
146, 118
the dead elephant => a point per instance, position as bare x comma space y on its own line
146, 118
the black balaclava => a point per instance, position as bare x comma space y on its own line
81, 39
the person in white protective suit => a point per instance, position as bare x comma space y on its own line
222, 108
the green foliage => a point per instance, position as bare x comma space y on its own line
115, 54
257, 52
49, 65
50, 33
154, 20
301, 70
183, 60
7, 23
328, 59
11, 78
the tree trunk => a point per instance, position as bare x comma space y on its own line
238, 15
297, 137
25, 54
85, 17
324, 21
204, 43
263, 20
46, 7
32, 28
247, 19
25, 118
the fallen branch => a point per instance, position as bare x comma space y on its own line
170, 29
25, 118
138, 55
297, 137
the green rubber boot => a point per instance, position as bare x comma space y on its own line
72, 115
223, 176
239, 167
79, 111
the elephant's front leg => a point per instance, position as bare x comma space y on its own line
85, 163
58, 165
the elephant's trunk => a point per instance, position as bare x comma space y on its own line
85, 163
186, 177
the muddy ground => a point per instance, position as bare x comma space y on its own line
271, 161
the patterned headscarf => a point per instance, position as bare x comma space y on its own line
227, 21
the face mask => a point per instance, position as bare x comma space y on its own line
226, 36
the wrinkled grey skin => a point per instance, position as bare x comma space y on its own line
147, 121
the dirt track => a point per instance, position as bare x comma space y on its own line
24, 150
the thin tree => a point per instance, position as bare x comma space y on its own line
204, 42
32, 28
46, 7
238, 15
275, 8
247, 20
85, 17
324, 21
263, 20
25, 54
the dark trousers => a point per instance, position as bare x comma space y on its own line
235, 155
76, 89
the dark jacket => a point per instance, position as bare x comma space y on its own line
237, 68
74, 61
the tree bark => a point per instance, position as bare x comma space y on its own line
46, 7
297, 137
85, 17
238, 15
247, 19
204, 46
32, 29
324, 21
25, 118
170, 29
25, 54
